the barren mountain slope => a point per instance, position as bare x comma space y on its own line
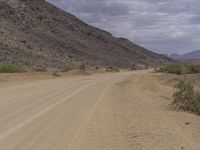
36, 34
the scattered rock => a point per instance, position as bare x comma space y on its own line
187, 123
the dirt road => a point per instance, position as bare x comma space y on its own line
122, 111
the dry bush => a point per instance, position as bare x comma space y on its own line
113, 69
68, 67
181, 69
8, 68
186, 98
55, 74
82, 67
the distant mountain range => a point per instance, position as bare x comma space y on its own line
191, 55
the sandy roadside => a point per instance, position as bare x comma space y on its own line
135, 114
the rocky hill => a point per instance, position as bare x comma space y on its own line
36, 34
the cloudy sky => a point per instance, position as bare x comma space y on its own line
164, 26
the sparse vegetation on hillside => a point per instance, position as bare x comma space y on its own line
68, 67
56, 74
186, 98
41, 70
82, 67
113, 69
5, 68
181, 69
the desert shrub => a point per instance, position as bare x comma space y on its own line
113, 69
82, 67
181, 69
6, 68
41, 70
184, 93
55, 74
195, 68
155, 69
68, 67
133, 67
196, 107
146, 67
186, 98
171, 69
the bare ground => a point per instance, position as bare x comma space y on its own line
123, 111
